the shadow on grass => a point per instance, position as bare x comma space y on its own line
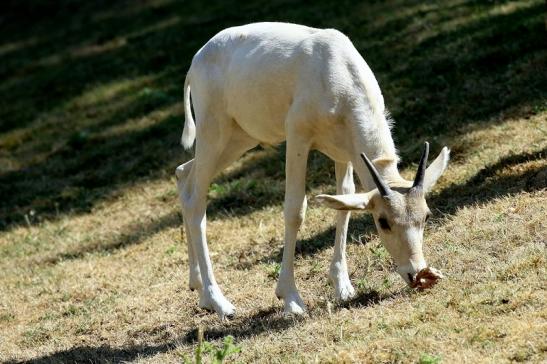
488, 183
86, 169
265, 321
467, 74
508, 176
261, 183
269, 320
435, 78
132, 235
360, 224
433, 83
364, 299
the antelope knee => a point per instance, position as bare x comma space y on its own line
295, 213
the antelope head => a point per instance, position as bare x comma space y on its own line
400, 214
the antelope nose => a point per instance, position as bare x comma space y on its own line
411, 278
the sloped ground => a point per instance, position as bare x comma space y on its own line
92, 267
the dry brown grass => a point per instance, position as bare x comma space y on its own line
92, 266
111, 285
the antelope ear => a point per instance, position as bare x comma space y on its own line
355, 201
436, 169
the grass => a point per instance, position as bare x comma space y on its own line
92, 266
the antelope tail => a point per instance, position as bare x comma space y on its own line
189, 132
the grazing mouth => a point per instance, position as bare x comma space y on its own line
426, 278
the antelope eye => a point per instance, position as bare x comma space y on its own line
383, 223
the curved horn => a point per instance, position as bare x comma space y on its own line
420, 174
383, 188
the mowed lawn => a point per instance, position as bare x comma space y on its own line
92, 264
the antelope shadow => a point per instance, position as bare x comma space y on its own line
264, 321
269, 320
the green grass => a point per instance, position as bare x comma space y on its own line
92, 267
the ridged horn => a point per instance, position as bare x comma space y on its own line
420, 173
383, 188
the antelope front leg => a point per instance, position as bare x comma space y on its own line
294, 212
338, 273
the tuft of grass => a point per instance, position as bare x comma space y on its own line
218, 355
273, 270
429, 359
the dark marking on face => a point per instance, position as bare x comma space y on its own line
382, 221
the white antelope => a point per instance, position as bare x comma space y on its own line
274, 82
